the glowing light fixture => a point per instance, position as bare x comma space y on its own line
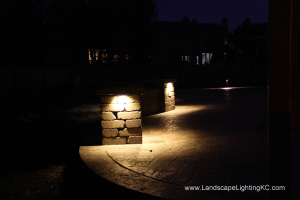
227, 88
120, 99
169, 87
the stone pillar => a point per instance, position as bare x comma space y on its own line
166, 94
169, 93
121, 119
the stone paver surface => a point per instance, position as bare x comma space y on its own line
214, 137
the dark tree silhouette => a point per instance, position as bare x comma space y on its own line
185, 20
118, 26
64, 30
21, 34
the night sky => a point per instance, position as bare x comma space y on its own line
213, 11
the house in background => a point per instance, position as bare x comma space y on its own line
192, 42
252, 40
196, 44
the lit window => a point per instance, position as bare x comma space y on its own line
206, 58
187, 58
225, 41
93, 55
90, 56
197, 58
203, 58
97, 54
104, 57
104, 54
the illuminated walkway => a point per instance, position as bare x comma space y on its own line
213, 137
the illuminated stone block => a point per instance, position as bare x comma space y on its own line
170, 103
134, 123
113, 107
168, 108
167, 99
170, 89
134, 140
166, 92
133, 107
113, 124
130, 131
110, 132
133, 98
114, 141
121, 117
108, 116
173, 107
129, 115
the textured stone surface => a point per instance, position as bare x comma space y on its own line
113, 124
167, 99
134, 123
133, 106
170, 103
133, 98
130, 131
168, 108
113, 141
108, 116
134, 140
110, 132
113, 107
171, 93
129, 115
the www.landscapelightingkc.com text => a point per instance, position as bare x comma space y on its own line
241, 188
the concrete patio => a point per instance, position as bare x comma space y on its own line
214, 137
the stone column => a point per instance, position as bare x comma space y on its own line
169, 92
121, 119
166, 94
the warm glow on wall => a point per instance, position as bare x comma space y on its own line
97, 54
120, 99
169, 87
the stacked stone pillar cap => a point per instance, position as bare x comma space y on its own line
121, 115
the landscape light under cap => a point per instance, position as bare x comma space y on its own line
122, 99
169, 87
121, 119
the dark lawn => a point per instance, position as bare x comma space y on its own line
40, 154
